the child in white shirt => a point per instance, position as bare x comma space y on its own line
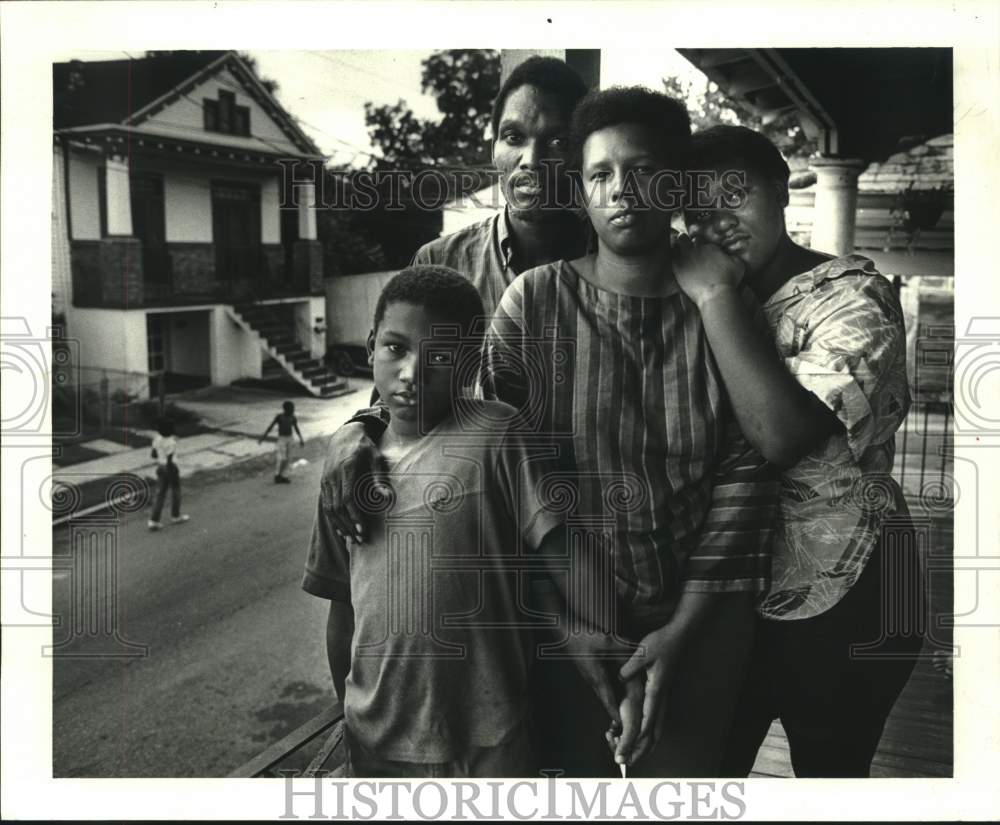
167, 476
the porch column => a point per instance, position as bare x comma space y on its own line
307, 212
587, 62
116, 196
836, 204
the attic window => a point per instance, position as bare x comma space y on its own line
223, 115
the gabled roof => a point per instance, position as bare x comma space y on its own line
127, 92
109, 91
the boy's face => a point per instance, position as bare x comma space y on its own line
619, 171
413, 376
748, 223
530, 151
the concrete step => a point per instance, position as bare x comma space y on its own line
325, 380
339, 388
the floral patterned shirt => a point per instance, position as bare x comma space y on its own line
839, 329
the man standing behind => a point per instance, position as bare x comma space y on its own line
530, 123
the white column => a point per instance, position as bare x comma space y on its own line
307, 211
119, 205
270, 212
836, 204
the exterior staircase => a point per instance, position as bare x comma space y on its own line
277, 338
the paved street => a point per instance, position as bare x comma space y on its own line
236, 653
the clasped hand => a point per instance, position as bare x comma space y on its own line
634, 698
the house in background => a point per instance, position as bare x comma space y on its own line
171, 253
905, 223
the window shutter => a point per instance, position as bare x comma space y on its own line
243, 121
211, 111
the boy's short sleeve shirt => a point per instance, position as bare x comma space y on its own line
435, 590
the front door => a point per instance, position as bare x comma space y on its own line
236, 232
157, 350
149, 226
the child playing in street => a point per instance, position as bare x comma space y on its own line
428, 649
167, 476
286, 422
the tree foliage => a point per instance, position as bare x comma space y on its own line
349, 247
464, 83
710, 106
268, 83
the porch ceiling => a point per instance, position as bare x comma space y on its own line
860, 101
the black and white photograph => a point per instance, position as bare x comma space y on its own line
600, 419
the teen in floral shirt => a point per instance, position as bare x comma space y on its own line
826, 411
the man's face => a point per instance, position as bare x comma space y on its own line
530, 151
620, 166
746, 219
413, 375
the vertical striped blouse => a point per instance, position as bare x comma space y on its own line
627, 386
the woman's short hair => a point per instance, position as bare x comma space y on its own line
665, 117
739, 147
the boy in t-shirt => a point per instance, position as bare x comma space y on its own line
428, 648
286, 423
167, 476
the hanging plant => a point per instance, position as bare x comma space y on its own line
913, 211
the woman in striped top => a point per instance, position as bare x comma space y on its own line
669, 504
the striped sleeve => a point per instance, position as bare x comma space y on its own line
422, 256
733, 550
504, 371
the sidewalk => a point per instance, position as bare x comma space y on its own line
236, 417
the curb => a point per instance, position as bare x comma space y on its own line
126, 501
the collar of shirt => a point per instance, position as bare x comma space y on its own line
504, 240
602, 296
818, 275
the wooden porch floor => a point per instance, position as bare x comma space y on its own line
917, 741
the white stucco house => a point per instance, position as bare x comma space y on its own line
171, 254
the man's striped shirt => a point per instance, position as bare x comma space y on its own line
485, 253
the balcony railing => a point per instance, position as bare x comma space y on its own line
180, 274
